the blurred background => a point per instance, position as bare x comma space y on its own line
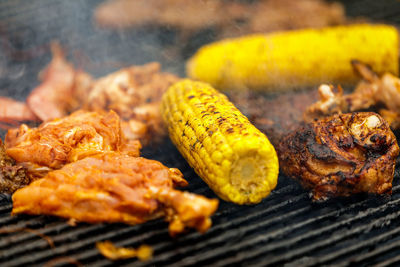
102, 36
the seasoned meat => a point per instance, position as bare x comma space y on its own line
134, 93
55, 143
62, 88
113, 187
380, 94
12, 176
12, 111
341, 155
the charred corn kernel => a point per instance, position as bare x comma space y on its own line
285, 60
234, 158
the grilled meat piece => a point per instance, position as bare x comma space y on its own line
12, 176
341, 155
62, 89
13, 112
380, 94
134, 93
55, 143
112, 187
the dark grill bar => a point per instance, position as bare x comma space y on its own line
284, 228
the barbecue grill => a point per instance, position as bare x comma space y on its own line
284, 229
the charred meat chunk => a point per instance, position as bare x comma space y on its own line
341, 155
12, 176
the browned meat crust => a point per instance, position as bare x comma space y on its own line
12, 176
341, 155
113, 187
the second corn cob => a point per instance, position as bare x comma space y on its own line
285, 60
232, 156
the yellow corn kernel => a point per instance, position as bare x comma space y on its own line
233, 157
286, 60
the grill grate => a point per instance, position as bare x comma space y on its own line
285, 229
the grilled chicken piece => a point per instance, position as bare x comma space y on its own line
341, 155
134, 93
116, 188
12, 176
55, 143
62, 89
372, 93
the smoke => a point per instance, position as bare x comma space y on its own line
28, 27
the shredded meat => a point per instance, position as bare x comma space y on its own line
341, 155
113, 187
55, 143
229, 18
12, 176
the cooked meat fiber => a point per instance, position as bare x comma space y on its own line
113, 187
341, 155
60, 141
12, 176
134, 93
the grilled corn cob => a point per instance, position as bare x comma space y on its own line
285, 60
232, 156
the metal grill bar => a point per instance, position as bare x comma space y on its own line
376, 252
261, 239
60, 250
389, 262
345, 251
314, 245
23, 237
